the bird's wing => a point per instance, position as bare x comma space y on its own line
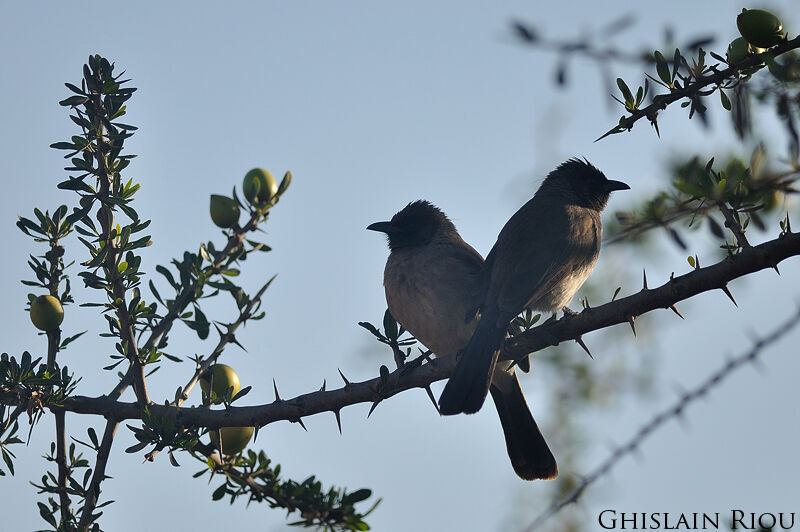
538, 248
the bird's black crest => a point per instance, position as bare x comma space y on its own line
416, 224
419, 214
580, 169
584, 181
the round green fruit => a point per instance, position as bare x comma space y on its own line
234, 439
47, 313
738, 49
760, 27
221, 377
259, 186
224, 211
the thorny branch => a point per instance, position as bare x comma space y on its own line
99, 474
714, 277
627, 309
673, 412
53, 256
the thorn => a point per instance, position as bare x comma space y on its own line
672, 276
633, 327
724, 288
255, 435
275, 387
775, 267
373, 407
432, 398
300, 420
234, 341
346, 382
644, 280
323, 386
338, 420
675, 310
583, 345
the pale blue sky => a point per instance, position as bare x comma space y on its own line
373, 105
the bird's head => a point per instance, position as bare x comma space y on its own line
583, 182
416, 225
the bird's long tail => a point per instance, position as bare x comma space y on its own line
467, 388
530, 456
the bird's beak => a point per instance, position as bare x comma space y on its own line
382, 227
611, 186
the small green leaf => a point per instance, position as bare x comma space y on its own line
285, 182
73, 101
93, 437
136, 448
63, 146
663, 68
218, 493
371, 328
726, 103
389, 325
626, 92
357, 496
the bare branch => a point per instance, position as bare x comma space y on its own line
674, 411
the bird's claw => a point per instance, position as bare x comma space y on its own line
568, 312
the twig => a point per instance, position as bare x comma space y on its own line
105, 217
732, 224
224, 340
717, 77
674, 411
63, 471
183, 299
93, 492
779, 182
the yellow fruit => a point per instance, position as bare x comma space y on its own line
760, 27
46, 313
234, 439
224, 211
259, 186
222, 377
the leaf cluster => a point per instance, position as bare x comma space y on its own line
253, 476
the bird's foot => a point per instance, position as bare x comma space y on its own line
568, 312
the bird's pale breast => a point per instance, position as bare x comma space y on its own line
425, 292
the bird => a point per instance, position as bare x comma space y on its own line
542, 256
432, 280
